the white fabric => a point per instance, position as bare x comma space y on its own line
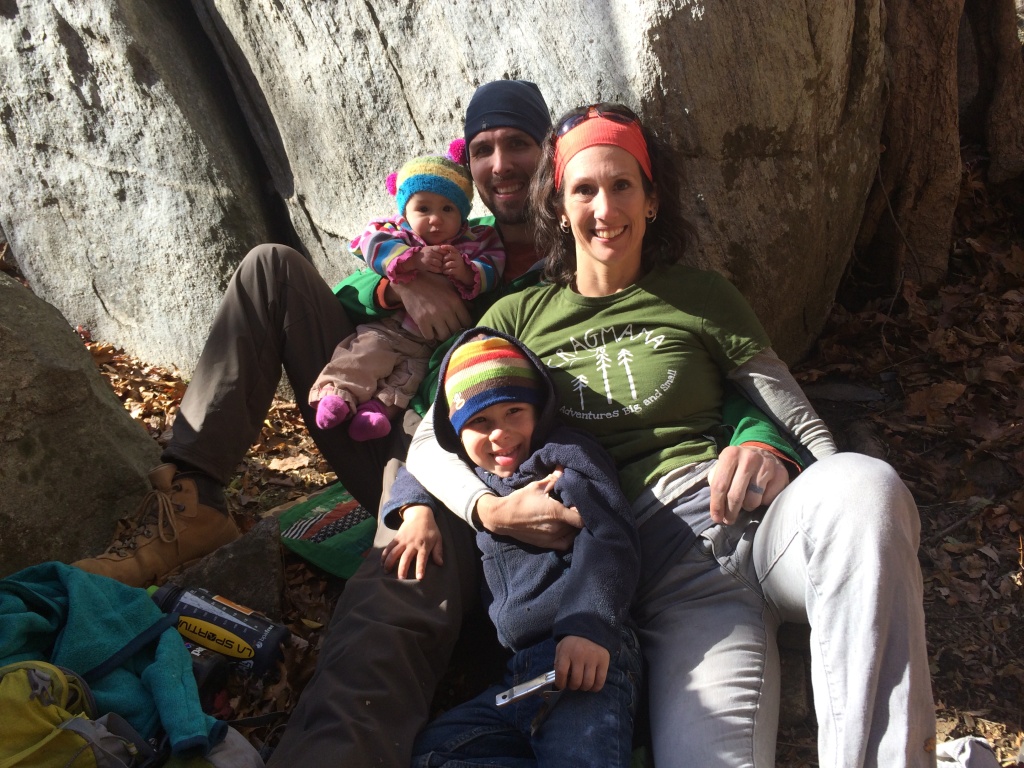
968, 752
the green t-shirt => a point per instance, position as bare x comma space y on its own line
643, 369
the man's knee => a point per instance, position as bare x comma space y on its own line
267, 253
267, 259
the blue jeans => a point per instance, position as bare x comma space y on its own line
582, 728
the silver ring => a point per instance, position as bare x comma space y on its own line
754, 488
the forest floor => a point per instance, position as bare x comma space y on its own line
931, 379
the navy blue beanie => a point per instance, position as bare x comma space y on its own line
508, 104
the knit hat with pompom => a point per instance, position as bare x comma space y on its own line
444, 176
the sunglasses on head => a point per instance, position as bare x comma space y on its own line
617, 113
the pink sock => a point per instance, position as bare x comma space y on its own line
331, 411
370, 422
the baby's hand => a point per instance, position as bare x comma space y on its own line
431, 258
418, 537
580, 664
454, 267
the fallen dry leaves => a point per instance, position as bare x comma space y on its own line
950, 361
948, 364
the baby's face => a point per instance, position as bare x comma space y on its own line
498, 437
433, 217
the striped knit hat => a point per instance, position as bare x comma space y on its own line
487, 370
433, 173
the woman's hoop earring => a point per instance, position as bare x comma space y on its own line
651, 216
564, 226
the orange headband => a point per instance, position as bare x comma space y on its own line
598, 130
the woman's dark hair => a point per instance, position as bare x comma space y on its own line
665, 240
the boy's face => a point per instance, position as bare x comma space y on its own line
498, 437
433, 217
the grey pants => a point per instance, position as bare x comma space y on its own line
277, 313
389, 641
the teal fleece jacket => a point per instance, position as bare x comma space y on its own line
57, 613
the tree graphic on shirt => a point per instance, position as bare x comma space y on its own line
604, 362
608, 348
579, 384
625, 358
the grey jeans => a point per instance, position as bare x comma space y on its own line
838, 550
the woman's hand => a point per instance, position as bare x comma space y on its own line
580, 664
434, 305
744, 478
417, 539
531, 515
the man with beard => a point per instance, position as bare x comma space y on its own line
390, 639
279, 313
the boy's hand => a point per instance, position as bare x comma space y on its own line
417, 538
580, 664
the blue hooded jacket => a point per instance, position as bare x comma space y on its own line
532, 593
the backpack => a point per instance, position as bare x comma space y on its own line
48, 720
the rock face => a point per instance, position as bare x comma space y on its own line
130, 194
72, 461
776, 110
130, 187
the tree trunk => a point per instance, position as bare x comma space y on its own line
907, 222
991, 82
951, 62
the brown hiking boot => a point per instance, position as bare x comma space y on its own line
171, 528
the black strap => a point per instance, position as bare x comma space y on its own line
132, 647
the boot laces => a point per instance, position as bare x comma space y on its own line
156, 508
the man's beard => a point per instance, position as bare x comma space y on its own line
511, 217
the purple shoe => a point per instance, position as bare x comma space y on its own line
370, 422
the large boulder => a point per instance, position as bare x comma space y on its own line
72, 461
129, 193
130, 186
775, 107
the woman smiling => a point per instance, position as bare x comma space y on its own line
640, 347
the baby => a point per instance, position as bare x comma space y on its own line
375, 371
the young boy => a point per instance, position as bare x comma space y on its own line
376, 370
566, 611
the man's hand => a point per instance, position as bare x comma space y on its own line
744, 478
418, 539
531, 515
434, 305
580, 664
